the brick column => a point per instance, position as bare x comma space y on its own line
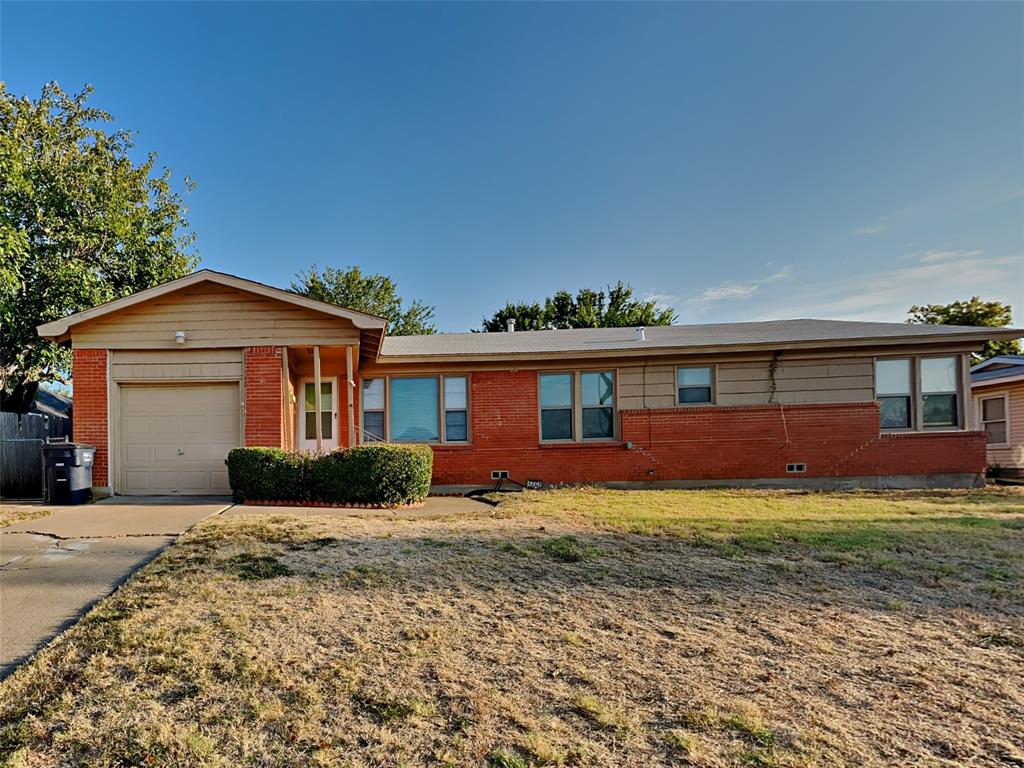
89, 417
264, 421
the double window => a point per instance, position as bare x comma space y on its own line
918, 392
577, 406
994, 421
695, 385
408, 409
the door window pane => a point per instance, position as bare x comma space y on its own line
892, 377
938, 374
326, 410
414, 410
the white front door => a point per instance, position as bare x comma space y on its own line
328, 414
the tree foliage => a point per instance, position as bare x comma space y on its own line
374, 294
973, 311
615, 308
81, 223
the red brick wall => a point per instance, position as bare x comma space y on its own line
264, 422
729, 442
89, 418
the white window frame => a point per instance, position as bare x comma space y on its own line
1005, 397
308, 442
714, 385
387, 378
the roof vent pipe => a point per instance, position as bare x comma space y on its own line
511, 325
641, 333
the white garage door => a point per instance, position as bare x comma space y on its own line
174, 438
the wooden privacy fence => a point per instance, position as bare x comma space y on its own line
22, 437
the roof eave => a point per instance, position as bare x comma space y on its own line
644, 349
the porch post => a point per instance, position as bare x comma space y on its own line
350, 387
286, 410
316, 399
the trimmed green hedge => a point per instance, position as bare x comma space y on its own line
367, 474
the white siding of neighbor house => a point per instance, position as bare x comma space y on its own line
1011, 456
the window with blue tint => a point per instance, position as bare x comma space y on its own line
456, 409
597, 392
414, 410
373, 410
694, 385
556, 406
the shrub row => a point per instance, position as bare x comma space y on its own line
367, 474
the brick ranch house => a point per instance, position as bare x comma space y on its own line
167, 380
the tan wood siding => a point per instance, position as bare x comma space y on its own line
806, 380
831, 380
176, 365
213, 315
1012, 456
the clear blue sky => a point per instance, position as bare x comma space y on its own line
737, 161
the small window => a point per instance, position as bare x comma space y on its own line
556, 404
373, 410
938, 392
694, 386
993, 420
598, 396
414, 410
456, 409
893, 389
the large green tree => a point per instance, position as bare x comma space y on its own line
973, 311
81, 223
615, 308
375, 294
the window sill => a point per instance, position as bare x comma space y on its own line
610, 443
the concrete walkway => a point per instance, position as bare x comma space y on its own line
53, 568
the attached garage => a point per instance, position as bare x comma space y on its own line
174, 438
177, 414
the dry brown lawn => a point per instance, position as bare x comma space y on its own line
16, 512
586, 628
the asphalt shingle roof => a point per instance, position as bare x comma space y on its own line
586, 340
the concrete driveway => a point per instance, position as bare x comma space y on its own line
53, 568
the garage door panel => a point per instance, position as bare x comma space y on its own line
175, 437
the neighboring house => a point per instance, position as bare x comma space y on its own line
50, 403
169, 379
997, 386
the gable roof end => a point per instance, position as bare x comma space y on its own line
372, 328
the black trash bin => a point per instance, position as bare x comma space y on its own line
68, 468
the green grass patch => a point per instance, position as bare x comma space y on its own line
252, 567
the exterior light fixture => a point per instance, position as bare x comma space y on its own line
179, 337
